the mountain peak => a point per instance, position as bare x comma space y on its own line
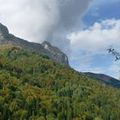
46, 45
54, 51
46, 42
45, 48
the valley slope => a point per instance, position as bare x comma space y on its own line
105, 79
33, 87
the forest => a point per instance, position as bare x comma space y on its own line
33, 87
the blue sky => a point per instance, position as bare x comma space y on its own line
99, 10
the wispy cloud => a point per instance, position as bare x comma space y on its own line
97, 37
39, 20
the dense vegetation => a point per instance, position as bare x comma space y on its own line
32, 87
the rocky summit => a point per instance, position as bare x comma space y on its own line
45, 48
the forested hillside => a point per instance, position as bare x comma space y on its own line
32, 87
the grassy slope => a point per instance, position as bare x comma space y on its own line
32, 87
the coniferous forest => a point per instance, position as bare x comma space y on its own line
32, 87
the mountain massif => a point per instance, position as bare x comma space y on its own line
33, 87
50, 51
45, 48
37, 83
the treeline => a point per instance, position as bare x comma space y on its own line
32, 87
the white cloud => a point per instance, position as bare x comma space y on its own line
90, 42
114, 70
39, 20
96, 38
32, 20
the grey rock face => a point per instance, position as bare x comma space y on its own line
55, 53
45, 48
3, 32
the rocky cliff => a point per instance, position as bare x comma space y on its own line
45, 48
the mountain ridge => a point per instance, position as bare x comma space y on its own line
105, 79
53, 53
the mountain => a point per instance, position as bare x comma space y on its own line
33, 87
45, 48
105, 79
